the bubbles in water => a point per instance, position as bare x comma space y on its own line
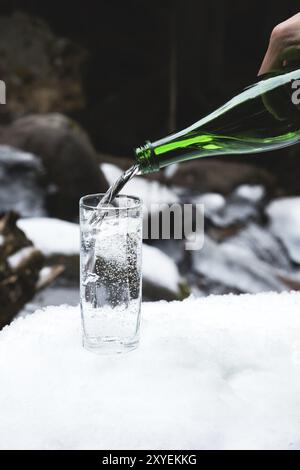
111, 269
111, 284
90, 278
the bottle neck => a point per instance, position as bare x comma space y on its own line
254, 121
146, 158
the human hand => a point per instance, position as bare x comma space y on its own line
284, 46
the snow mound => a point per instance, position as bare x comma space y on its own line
240, 206
253, 193
284, 217
52, 236
159, 268
215, 373
213, 202
151, 192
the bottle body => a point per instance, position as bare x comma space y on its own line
263, 117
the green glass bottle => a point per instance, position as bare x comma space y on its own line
265, 116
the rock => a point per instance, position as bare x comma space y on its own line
123, 163
228, 215
66, 154
284, 215
249, 260
12, 237
22, 185
284, 166
211, 175
260, 241
235, 268
42, 72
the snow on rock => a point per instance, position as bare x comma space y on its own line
216, 373
170, 170
20, 189
151, 192
52, 236
213, 202
235, 265
284, 217
44, 273
18, 257
225, 212
253, 193
263, 246
159, 268
11, 156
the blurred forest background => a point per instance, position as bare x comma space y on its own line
89, 81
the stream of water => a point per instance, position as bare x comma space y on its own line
97, 216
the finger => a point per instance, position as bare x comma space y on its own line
272, 61
291, 56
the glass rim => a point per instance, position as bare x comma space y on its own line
137, 202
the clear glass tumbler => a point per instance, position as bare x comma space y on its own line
110, 273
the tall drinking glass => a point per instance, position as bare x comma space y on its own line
110, 273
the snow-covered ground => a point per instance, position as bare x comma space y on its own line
215, 373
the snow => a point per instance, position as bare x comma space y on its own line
284, 217
51, 236
215, 373
18, 257
171, 170
253, 193
262, 245
151, 192
159, 268
239, 207
213, 202
20, 189
11, 155
44, 273
236, 266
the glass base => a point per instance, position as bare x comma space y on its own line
108, 345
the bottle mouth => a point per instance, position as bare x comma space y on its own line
146, 158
